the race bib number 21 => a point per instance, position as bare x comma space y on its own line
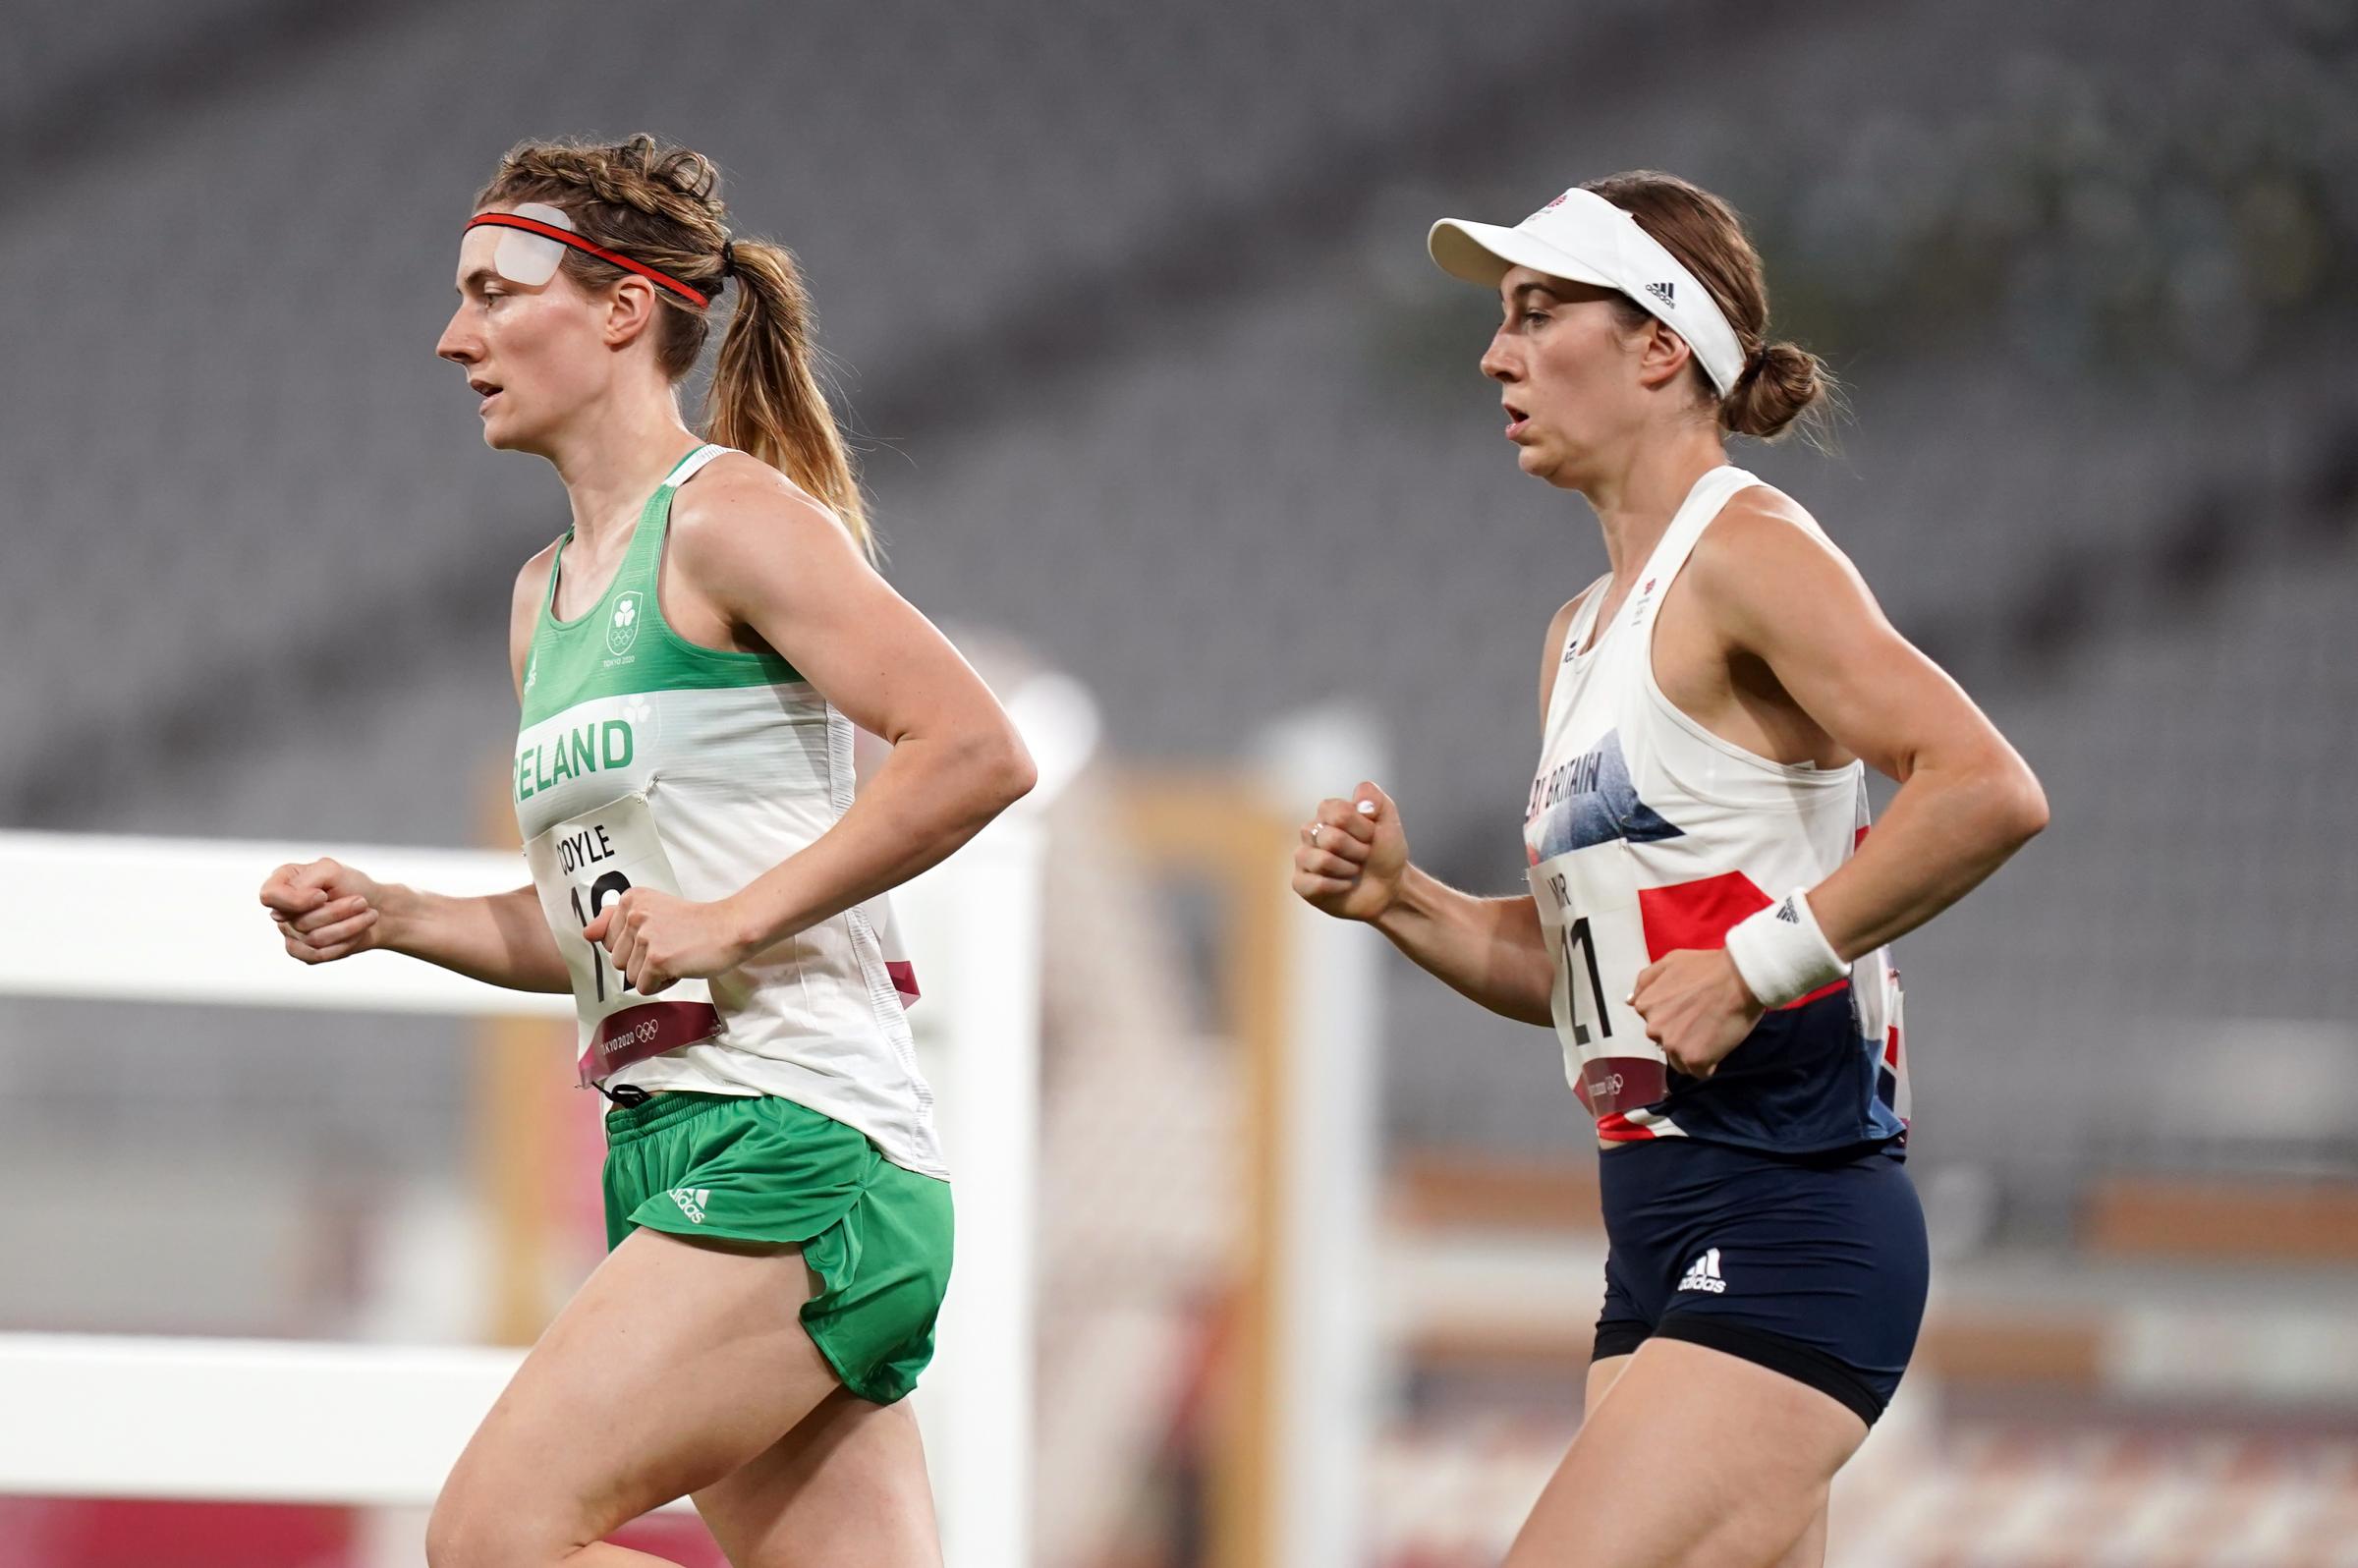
1588, 906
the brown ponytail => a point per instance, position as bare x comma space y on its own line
661, 206
767, 398
1780, 382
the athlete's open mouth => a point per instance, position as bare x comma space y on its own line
1516, 418
485, 390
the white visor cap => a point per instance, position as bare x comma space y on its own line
1583, 237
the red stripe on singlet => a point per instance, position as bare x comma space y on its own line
1698, 914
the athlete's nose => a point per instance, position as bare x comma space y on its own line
1498, 361
457, 346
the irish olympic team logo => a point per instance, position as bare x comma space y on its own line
623, 631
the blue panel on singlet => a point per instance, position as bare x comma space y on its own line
1803, 1079
1589, 800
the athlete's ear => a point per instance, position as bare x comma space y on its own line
1662, 355
630, 310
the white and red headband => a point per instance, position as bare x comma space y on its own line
535, 241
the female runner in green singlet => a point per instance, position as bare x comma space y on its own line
690, 659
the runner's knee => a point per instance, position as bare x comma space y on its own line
469, 1529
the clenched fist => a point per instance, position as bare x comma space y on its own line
1697, 1008
326, 910
654, 938
1352, 856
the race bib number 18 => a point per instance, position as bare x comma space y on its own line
578, 868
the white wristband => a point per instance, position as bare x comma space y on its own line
1781, 953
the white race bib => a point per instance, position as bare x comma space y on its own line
579, 867
1596, 932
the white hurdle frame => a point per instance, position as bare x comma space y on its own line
379, 1426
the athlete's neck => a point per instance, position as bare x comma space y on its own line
613, 463
1636, 501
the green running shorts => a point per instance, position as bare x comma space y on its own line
758, 1169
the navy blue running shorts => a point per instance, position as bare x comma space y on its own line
1812, 1265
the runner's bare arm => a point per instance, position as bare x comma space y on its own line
772, 559
1488, 950
1967, 801
501, 939
326, 910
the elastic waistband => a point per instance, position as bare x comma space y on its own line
1713, 1154
627, 1122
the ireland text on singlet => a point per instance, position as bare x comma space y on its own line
647, 760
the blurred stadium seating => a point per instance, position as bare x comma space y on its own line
1155, 383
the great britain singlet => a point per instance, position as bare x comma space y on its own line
1646, 834
645, 759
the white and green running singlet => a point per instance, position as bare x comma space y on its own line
645, 760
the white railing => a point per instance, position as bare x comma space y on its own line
379, 1426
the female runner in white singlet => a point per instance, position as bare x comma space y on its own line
690, 659
1708, 914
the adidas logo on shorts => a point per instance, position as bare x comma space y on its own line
1703, 1274
692, 1202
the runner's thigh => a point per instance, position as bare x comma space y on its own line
1810, 1550
675, 1365
1697, 1458
1806, 1552
846, 1489
1601, 1376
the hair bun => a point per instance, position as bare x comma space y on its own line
1781, 381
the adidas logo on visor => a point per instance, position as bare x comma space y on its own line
1663, 292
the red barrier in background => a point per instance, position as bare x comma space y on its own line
116, 1533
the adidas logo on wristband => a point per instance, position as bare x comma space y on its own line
1781, 953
